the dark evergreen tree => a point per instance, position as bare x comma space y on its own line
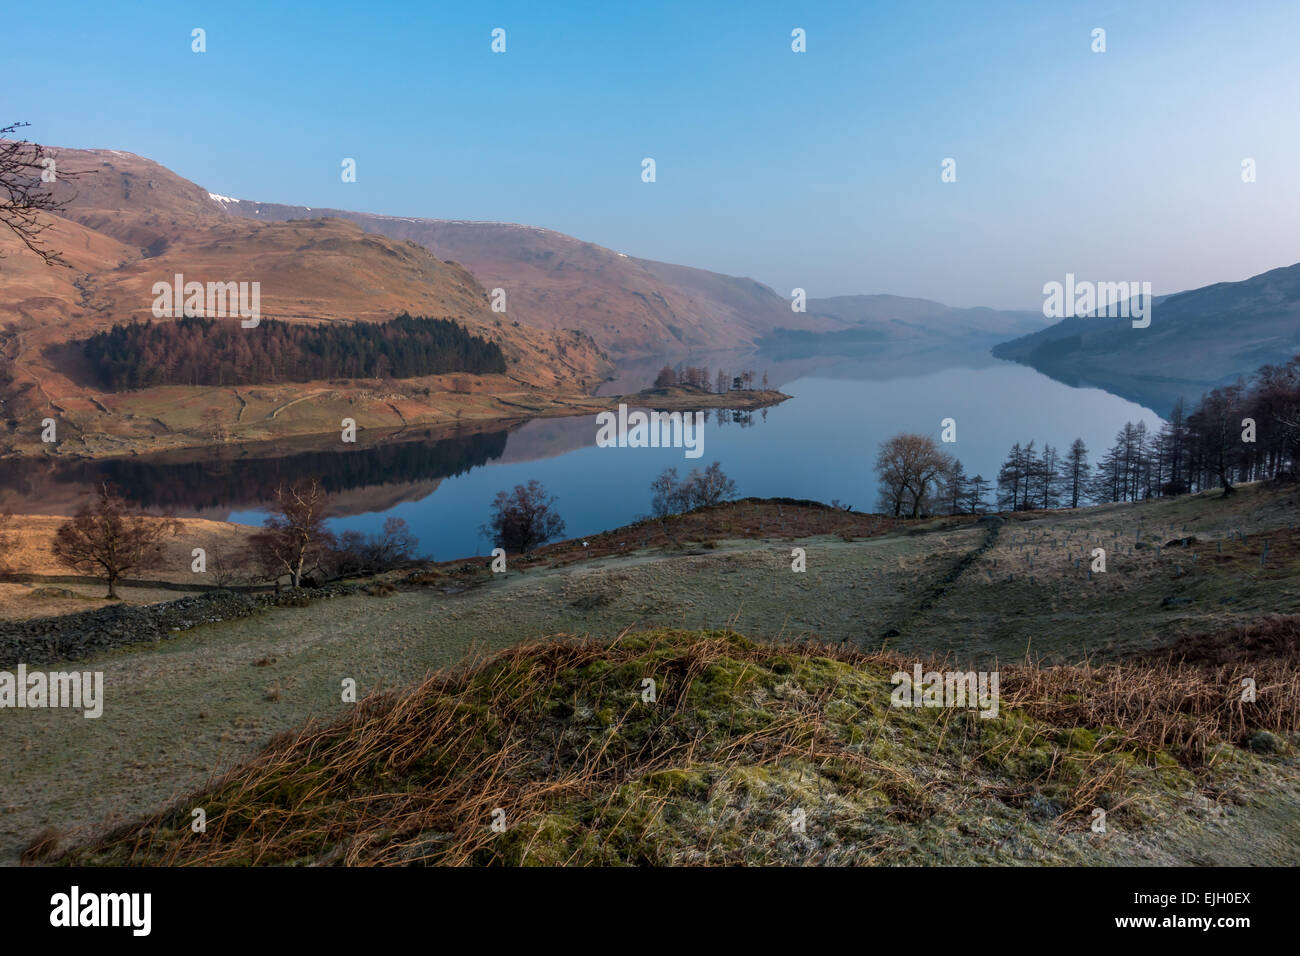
1076, 472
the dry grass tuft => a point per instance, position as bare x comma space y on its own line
44, 846
557, 737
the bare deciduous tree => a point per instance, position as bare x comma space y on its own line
909, 468
393, 547
108, 540
523, 519
295, 539
699, 488
214, 425
25, 192
1216, 430
229, 567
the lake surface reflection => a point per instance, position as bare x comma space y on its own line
820, 444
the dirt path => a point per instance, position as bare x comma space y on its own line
275, 412
945, 582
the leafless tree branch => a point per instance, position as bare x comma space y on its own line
25, 194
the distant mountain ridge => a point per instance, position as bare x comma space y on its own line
636, 307
905, 317
870, 324
1197, 340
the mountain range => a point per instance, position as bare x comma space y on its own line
572, 308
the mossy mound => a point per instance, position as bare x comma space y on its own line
564, 752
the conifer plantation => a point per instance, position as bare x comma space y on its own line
203, 351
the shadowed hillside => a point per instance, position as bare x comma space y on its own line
1197, 340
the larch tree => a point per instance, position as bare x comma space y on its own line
1076, 471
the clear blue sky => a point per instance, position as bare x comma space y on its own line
818, 170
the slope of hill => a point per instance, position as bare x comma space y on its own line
629, 306
552, 739
710, 771
1197, 340
130, 223
131, 198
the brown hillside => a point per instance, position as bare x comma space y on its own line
629, 306
130, 223
130, 198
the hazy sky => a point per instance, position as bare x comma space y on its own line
817, 169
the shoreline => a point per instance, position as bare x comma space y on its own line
501, 412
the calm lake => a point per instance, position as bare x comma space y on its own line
820, 445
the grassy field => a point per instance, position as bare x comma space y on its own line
179, 713
28, 539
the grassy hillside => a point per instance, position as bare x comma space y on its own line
880, 591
